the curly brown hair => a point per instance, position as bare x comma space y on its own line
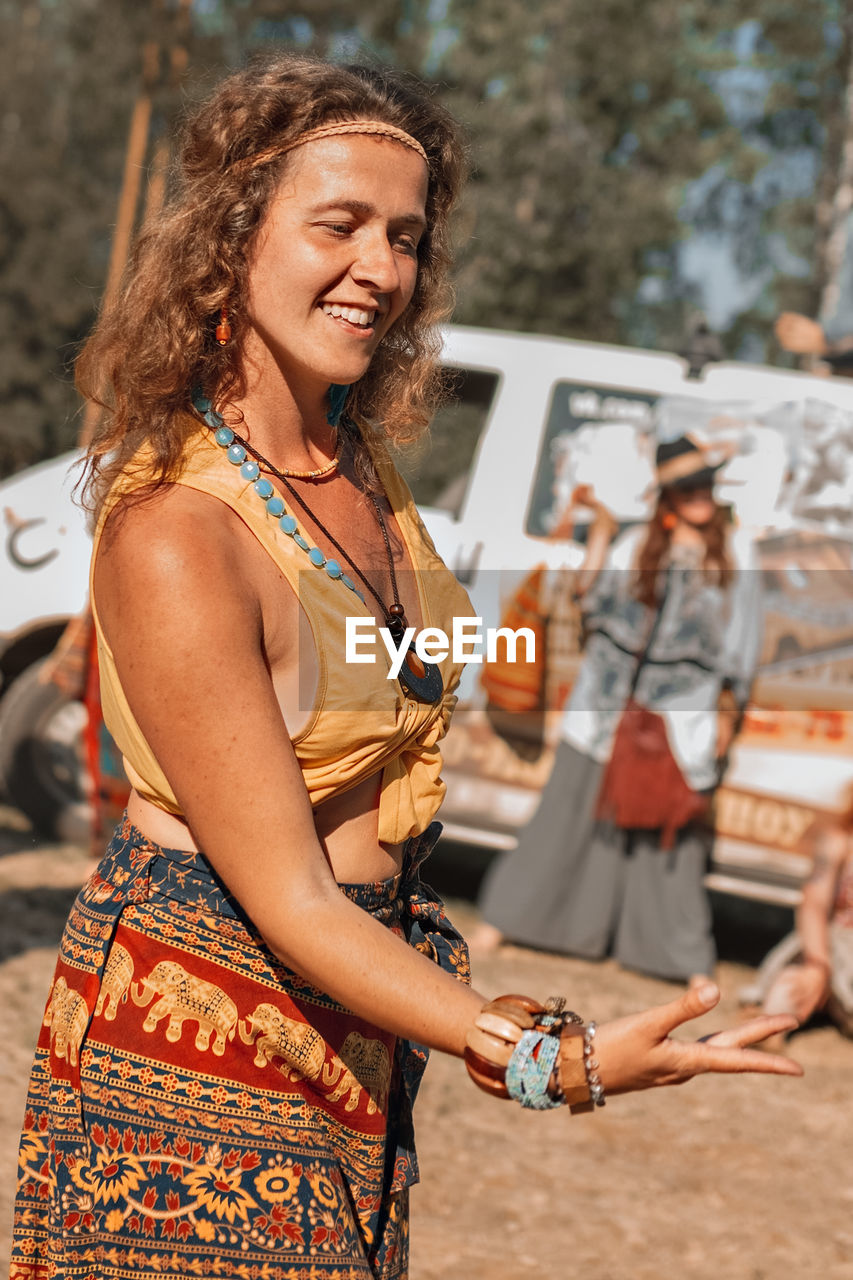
717, 563
156, 341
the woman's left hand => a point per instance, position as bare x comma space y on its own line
637, 1052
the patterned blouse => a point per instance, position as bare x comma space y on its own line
703, 639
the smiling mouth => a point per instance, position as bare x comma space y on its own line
353, 315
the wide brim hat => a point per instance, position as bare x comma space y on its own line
684, 464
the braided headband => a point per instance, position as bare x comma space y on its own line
377, 127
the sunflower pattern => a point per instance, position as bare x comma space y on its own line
166, 1143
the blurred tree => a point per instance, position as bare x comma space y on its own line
774, 209
606, 138
635, 163
587, 121
72, 71
834, 209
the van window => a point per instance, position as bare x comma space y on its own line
578, 412
438, 471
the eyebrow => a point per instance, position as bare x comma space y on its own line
366, 208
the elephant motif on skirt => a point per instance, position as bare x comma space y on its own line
371, 1070
274, 1035
68, 1017
183, 996
115, 982
370, 1063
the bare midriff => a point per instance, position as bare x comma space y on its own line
346, 828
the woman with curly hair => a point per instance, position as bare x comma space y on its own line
249, 982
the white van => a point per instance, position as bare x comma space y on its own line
531, 417
44, 570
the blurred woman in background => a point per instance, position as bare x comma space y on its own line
614, 859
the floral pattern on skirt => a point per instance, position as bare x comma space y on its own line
198, 1109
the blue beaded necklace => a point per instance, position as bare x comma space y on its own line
237, 452
420, 679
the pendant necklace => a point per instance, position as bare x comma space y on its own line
422, 680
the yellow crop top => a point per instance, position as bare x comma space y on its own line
361, 722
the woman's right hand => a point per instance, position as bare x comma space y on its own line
638, 1052
583, 495
604, 524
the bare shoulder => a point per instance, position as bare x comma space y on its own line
173, 524
173, 553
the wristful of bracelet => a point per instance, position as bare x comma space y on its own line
539, 1055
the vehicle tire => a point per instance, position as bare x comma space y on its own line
41, 757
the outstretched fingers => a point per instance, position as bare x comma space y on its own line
753, 1031
726, 1051
692, 1003
712, 1056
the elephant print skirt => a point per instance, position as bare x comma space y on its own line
198, 1109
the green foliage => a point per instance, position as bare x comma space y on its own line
586, 121
602, 135
71, 73
786, 95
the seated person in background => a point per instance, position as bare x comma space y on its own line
812, 968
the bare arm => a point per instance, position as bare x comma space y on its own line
186, 630
815, 909
599, 536
803, 987
174, 591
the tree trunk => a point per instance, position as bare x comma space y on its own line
835, 194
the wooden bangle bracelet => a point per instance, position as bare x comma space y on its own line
496, 1087
492, 1048
482, 1065
498, 1024
572, 1070
519, 1013
525, 1002
574, 1085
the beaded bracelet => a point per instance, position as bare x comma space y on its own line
530, 1069
591, 1065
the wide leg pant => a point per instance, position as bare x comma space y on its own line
589, 888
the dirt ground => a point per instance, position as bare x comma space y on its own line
728, 1178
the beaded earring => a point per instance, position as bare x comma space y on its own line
223, 329
669, 521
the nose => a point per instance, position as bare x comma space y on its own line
377, 266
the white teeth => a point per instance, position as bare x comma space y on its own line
352, 314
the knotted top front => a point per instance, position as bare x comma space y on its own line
361, 723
